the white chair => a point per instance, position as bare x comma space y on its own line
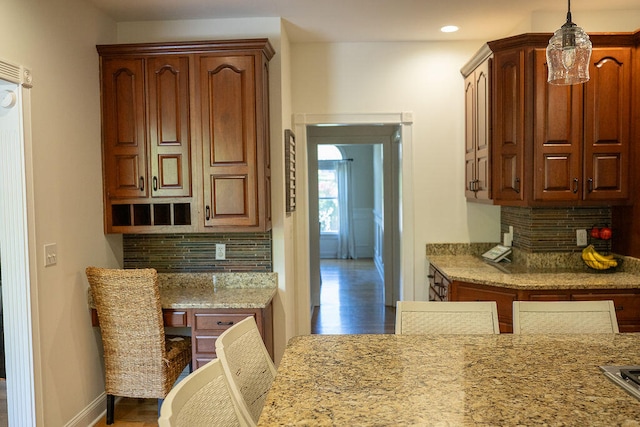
564, 317
248, 366
202, 399
447, 317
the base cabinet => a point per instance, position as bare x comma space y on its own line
626, 301
208, 324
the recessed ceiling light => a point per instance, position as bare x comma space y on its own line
449, 29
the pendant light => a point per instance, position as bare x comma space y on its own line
568, 54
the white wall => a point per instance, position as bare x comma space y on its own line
423, 78
57, 39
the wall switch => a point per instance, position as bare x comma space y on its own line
581, 237
221, 251
50, 254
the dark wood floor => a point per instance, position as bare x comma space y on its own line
351, 299
351, 302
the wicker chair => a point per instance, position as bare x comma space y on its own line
248, 366
140, 360
202, 399
564, 317
447, 317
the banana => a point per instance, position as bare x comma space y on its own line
597, 261
603, 259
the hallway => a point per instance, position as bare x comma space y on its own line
351, 299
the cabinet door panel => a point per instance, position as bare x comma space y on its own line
228, 112
557, 138
607, 117
508, 130
169, 134
124, 138
470, 136
483, 129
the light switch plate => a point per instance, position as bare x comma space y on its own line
221, 251
581, 237
50, 254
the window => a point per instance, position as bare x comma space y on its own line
328, 211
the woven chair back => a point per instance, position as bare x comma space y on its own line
447, 317
248, 366
130, 317
202, 399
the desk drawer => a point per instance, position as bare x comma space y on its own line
217, 321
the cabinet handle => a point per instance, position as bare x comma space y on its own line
516, 187
590, 186
207, 213
619, 308
142, 183
221, 323
575, 185
470, 185
476, 185
430, 276
155, 183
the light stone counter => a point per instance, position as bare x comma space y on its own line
446, 380
469, 268
462, 262
215, 290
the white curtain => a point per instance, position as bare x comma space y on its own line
346, 236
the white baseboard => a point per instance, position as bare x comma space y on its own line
91, 414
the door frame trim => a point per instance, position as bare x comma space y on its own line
404, 120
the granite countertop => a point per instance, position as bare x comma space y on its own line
215, 290
465, 380
554, 272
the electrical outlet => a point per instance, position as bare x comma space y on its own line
50, 254
221, 251
581, 237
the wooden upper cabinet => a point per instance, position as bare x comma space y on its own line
169, 133
236, 168
561, 145
124, 128
607, 113
478, 133
581, 136
186, 136
508, 140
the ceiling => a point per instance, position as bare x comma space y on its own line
366, 20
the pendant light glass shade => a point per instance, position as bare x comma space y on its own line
568, 54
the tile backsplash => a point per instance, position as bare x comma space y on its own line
172, 253
553, 229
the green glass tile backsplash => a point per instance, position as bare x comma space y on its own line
168, 253
553, 229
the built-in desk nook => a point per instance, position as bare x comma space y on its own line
210, 303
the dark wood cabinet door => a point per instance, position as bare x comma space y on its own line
508, 125
124, 138
557, 137
477, 133
483, 130
169, 133
470, 136
607, 115
228, 116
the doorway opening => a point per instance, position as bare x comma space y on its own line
354, 226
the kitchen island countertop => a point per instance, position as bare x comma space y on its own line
472, 269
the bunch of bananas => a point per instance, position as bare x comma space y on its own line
596, 260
